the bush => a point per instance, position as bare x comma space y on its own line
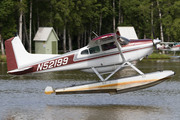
158, 56
3, 58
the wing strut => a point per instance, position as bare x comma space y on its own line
97, 73
119, 48
135, 68
121, 66
123, 58
125, 63
102, 79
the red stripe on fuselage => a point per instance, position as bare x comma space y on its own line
138, 42
62, 61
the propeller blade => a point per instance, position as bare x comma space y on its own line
155, 42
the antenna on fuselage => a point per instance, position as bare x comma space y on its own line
95, 34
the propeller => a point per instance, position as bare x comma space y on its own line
155, 40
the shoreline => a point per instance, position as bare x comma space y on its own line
158, 56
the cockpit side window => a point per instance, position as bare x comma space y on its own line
108, 46
95, 49
85, 52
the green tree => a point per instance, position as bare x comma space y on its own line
171, 19
7, 21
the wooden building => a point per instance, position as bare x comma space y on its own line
46, 41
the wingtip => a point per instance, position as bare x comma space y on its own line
49, 90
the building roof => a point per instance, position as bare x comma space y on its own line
43, 34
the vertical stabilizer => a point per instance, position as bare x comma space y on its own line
18, 59
11, 60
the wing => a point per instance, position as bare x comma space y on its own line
101, 39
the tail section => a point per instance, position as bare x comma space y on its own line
11, 60
19, 61
16, 54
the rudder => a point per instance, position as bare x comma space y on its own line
10, 56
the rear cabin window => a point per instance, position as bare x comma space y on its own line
93, 50
108, 46
85, 52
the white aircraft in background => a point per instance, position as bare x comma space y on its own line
105, 54
169, 46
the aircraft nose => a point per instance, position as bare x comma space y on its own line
156, 41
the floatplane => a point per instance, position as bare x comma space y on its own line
104, 54
170, 47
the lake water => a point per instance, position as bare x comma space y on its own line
23, 98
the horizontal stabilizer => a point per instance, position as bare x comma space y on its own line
21, 71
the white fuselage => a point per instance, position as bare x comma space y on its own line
104, 61
94, 54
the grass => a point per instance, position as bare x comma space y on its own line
158, 56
